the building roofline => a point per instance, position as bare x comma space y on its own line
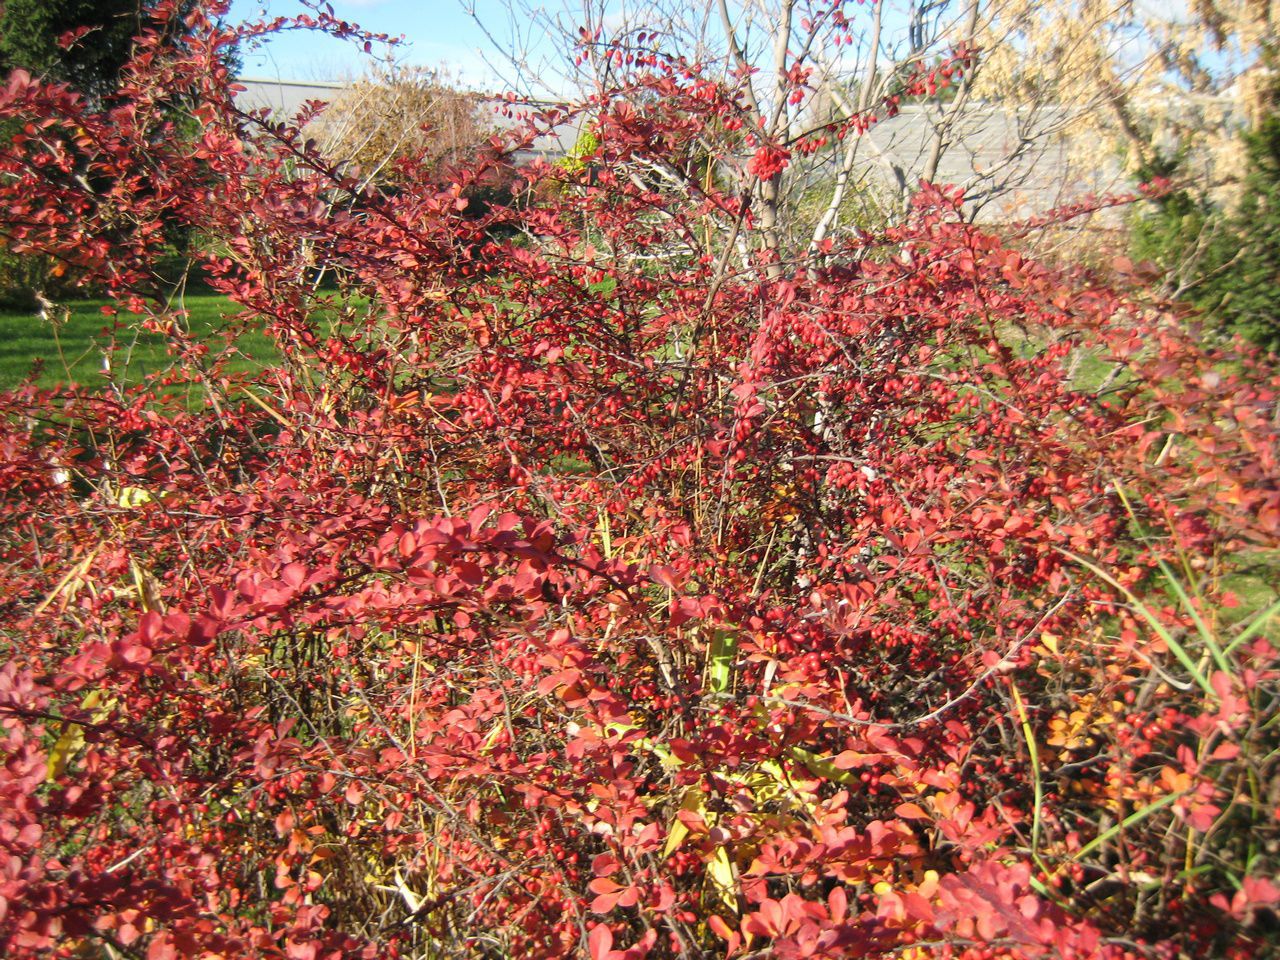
281, 82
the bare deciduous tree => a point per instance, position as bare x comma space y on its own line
810, 78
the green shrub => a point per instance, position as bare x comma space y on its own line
1226, 263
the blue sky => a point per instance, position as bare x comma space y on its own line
441, 33
437, 32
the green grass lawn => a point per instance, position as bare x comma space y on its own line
74, 351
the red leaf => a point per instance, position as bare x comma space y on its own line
663, 575
911, 811
605, 864
600, 941
603, 885
604, 903
838, 904
722, 929
294, 574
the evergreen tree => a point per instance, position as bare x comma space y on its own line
31, 32
87, 44
1225, 261
1245, 289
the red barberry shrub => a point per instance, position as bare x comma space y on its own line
583, 582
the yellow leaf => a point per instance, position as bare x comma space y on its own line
67, 746
130, 497
692, 802
723, 878
71, 740
823, 767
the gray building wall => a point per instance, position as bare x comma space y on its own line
1011, 164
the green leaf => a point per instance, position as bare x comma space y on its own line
720, 660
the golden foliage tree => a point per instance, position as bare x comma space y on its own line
405, 114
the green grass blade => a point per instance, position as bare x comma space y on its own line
1136, 817
1201, 627
1171, 642
1256, 626
1037, 785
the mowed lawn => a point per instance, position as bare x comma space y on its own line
74, 351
